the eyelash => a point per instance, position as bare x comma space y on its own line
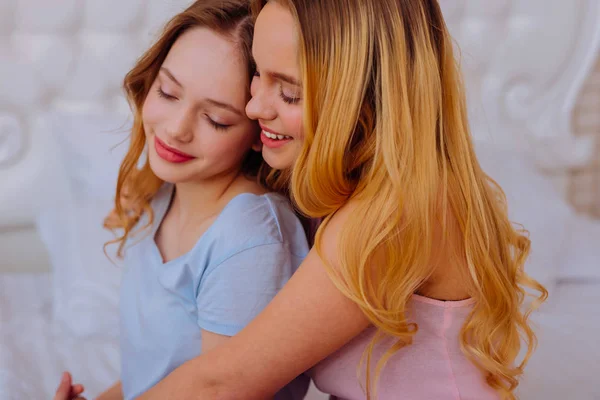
216, 125
164, 95
287, 99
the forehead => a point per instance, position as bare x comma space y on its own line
208, 65
275, 41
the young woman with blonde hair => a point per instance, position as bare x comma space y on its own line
415, 287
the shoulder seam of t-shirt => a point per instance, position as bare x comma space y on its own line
285, 244
269, 199
275, 215
264, 198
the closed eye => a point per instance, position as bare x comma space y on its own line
217, 125
288, 99
164, 95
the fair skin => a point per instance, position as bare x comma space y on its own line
205, 120
309, 319
276, 93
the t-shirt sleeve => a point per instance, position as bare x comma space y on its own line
235, 291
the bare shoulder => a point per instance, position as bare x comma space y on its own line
450, 277
447, 283
331, 231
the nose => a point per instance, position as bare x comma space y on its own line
180, 127
260, 106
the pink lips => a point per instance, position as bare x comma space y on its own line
170, 154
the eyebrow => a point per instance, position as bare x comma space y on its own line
170, 75
278, 75
285, 78
225, 106
212, 102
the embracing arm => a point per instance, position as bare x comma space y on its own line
307, 321
113, 393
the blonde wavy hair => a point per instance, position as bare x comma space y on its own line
385, 124
137, 184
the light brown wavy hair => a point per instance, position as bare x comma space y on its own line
137, 184
385, 123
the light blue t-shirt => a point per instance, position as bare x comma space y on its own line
234, 270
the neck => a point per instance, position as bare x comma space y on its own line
197, 199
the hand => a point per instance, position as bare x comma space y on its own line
67, 391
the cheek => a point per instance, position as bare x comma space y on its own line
151, 111
226, 146
292, 121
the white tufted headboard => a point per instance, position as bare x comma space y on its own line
524, 63
69, 55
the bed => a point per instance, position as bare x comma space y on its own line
63, 122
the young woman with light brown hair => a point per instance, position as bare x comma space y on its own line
206, 246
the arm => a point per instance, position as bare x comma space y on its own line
113, 393
211, 340
308, 320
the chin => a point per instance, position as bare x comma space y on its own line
278, 160
167, 172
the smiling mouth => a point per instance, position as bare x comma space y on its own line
170, 154
271, 134
275, 136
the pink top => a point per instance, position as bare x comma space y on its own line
433, 367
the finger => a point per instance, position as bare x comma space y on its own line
64, 388
77, 389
